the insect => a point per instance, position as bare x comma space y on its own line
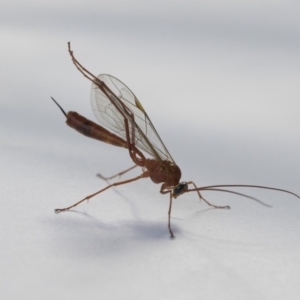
119, 110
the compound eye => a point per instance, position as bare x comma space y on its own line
180, 189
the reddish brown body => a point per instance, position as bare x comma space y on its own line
167, 173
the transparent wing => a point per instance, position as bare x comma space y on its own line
119, 102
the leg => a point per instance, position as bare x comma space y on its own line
144, 175
119, 174
165, 190
201, 197
172, 236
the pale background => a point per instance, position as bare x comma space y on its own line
220, 81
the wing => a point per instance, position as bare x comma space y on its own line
111, 106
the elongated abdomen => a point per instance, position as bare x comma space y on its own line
93, 130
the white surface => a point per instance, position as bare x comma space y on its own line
220, 81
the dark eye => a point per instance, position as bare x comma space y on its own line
179, 189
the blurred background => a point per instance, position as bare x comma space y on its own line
211, 74
220, 82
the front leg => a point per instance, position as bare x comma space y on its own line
166, 190
201, 197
